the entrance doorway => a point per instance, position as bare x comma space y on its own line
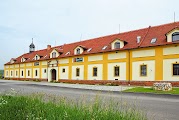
54, 74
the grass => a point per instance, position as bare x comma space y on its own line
150, 90
16, 107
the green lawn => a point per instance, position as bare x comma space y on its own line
34, 108
150, 90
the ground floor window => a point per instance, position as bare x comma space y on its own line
28, 72
95, 71
7, 73
45, 70
16, 73
63, 70
77, 72
175, 69
36, 72
11, 73
22, 73
116, 71
143, 70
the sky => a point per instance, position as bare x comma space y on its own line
58, 22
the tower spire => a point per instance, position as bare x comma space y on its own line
32, 47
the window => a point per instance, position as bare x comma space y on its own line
54, 55
7, 73
153, 40
104, 47
36, 57
16, 73
36, 73
67, 53
11, 73
116, 71
143, 70
22, 59
22, 73
89, 49
78, 51
28, 72
77, 72
36, 64
116, 45
175, 69
63, 70
175, 36
45, 70
95, 71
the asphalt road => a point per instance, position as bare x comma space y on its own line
157, 107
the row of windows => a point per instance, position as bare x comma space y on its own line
95, 71
143, 71
28, 73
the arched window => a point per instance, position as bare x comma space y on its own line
117, 45
175, 36
78, 51
36, 73
54, 55
36, 57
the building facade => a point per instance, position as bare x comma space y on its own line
148, 54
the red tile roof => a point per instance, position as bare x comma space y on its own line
147, 34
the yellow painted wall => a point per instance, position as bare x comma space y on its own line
95, 58
168, 70
100, 73
150, 71
171, 50
122, 71
116, 55
143, 53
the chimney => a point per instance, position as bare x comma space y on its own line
48, 47
138, 39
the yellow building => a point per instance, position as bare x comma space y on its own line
149, 54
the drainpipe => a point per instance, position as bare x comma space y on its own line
47, 70
129, 68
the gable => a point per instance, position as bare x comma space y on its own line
169, 34
115, 41
54, 51
80, 48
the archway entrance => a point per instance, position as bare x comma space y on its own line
54, 73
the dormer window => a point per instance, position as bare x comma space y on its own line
54, 55
22, 59
78, 51
175, 36
116, 45
36, 57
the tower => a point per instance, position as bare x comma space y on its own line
31, 47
